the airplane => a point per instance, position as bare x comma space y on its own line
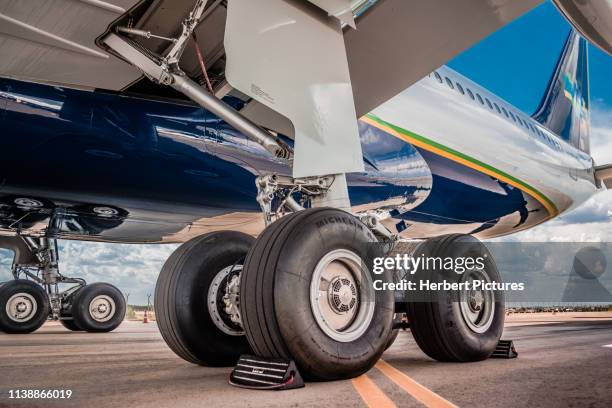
279, 141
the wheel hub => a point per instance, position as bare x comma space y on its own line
477, 306
476, 300
223, 301
28, 203
341, 296
105, 211
21, 307
102, 308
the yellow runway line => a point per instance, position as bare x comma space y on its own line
371, 394
418, 392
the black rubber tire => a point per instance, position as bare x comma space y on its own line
39, 295
438, 326
275, 295
80, 308
70, 324
181, 294
394, 333
392, 338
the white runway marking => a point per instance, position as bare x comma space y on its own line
607, 345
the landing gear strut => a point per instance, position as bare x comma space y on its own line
303, 289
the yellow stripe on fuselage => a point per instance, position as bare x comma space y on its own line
552, 210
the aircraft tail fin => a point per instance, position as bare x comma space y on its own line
564, 109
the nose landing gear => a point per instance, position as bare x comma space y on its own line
34, 295
99, 307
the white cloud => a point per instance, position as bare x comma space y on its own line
133, 268
591, 222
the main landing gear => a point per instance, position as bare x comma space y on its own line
303, 289
35, 295
307, 294
300, 291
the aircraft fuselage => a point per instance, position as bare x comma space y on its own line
115, 168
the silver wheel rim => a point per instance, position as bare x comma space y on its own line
341, 296
477, 306
105, 211
21, 307
27, 203
102, 308
211, 300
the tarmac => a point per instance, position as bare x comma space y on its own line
565, 360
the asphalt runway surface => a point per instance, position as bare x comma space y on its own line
563, 362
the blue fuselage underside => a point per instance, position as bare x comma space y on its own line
166, 166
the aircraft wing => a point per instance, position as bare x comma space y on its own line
396, 42
603, 174
591, 18
54, 42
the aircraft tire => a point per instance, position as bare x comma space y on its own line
392, 338
440, 327
28, 304
283, 310
189, 326
394, 332
98, 308
70, 324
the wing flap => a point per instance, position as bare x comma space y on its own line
398, 42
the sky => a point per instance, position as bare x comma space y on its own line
515, 62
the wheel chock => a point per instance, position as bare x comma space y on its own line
505, 349
261, 373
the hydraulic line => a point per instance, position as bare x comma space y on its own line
201, 61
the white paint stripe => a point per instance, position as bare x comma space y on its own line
260, 374
607, 345
260, 367
264, 362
